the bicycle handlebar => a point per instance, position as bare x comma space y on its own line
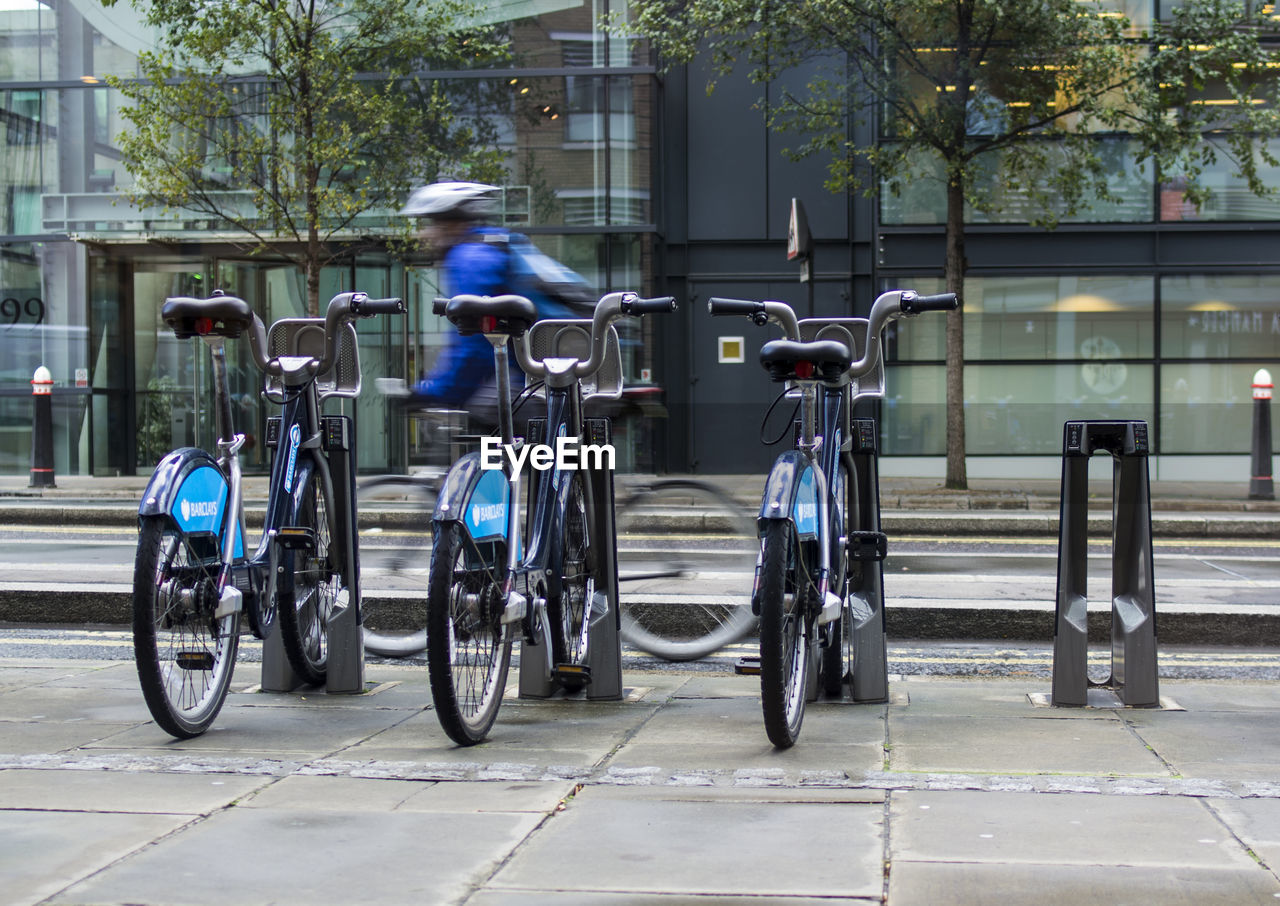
370, 307
760, 313
655, 306
913, 304
888, 306
610, 308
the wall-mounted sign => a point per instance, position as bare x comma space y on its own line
732, 351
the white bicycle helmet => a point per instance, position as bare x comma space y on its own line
452, 200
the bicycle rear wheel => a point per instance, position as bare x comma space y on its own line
468, 646
184, 654
311, 586
569, 612
784, 637
686, 558
394, 518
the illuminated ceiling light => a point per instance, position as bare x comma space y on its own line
1086, 302
524, 90
1018, 104
89, 80
1212, 305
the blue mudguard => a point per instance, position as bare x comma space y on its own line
189, 488
478, 497
791, 492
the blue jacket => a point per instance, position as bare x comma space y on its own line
479, 268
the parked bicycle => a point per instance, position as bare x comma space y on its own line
192, 579
686, 552
540, 568
806, 541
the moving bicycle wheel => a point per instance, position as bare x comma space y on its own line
686, 555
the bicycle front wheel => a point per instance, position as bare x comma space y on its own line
686, 558
569, 612
185, 654
468, 645
313, 584
394, 519
784, 638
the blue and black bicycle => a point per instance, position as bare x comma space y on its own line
544, 572
193, 580
807, 542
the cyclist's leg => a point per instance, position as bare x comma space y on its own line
393, 515
312, 584
468, 646
686, 557
185, 656
784, 656
569, 612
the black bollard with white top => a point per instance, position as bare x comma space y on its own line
1261, 487
42, 429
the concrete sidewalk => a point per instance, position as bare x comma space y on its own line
958, 791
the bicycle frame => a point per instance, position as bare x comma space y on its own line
800, 489
486, 501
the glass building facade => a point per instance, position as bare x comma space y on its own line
1143, 307
83, 272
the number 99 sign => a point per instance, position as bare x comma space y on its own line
12, 311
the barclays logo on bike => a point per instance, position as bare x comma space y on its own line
295, 441
198, 509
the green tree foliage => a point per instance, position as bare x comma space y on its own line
1016, 89
285, 121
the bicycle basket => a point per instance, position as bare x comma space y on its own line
571, 338
305, 337
853, 333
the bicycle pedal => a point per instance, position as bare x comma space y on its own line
575, 675
296, 537
194, 660
748, 665
868, 546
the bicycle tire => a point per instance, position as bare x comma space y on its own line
313, 583
468, 646
185, 657
686, 560
784, 651
393, 515
569, 611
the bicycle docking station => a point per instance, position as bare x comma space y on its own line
867, 546
1134, 674
603, 673
344, 674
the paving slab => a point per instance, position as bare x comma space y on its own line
350, 794
1256, 822
704, 846
316, 856
992, 727
134, 793
985, 884
36, 861
1060, 828
1213, 744
554, 732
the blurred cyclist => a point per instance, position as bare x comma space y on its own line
475, 258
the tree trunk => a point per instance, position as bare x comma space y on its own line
954, 268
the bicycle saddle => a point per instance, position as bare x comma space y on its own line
824, 360
511, 315
223, 315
